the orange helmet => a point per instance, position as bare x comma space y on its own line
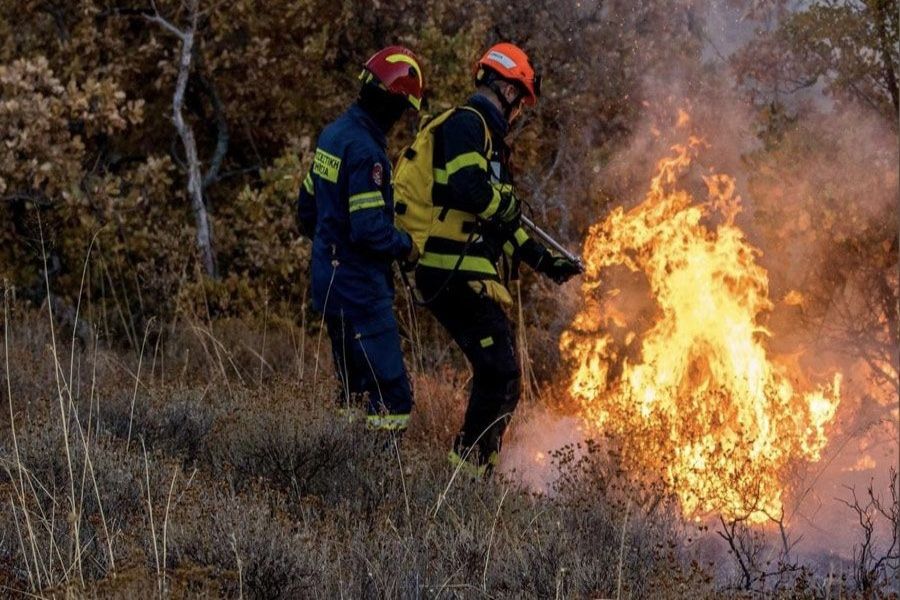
397, 70
511, 63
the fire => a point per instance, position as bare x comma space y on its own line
793, 298
687, 388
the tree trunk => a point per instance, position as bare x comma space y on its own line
195, 177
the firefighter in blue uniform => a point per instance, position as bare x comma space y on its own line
346, 206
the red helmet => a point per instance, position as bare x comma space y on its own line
511, 63
397, 70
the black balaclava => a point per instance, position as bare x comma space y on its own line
492, 81
384, 108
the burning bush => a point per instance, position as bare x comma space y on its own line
693, 396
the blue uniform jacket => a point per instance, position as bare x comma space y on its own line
346, 205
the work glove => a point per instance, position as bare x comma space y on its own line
560, 269
509, 212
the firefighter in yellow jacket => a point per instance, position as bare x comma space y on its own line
476, 224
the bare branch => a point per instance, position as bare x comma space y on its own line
732, 535
159, 20
186, 133
872, 567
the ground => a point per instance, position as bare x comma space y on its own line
216, 465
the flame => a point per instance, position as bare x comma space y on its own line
694, 398
864, 463
794, 298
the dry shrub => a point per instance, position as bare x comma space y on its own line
302, 450
247, 545
110, 495
440, 399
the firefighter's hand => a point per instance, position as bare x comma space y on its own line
409, 263
510, 210
561, 269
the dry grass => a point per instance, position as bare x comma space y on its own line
204, 478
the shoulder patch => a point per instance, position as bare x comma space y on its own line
377, 174
327, 166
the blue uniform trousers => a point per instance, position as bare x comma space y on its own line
369, 365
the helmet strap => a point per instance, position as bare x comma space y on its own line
509, 107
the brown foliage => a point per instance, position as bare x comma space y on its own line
262, 84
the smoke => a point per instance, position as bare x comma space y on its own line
820, 203
823, 210
535, 438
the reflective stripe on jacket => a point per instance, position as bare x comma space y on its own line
470, 173
347, 203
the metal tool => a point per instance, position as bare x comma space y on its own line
548, 239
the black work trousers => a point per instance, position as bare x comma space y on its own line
482, 330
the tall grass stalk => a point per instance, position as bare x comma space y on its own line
487, 554
150, 514
88, 467
74, 517
19, 470
301, 369
84, 271
402, 475
137, 382
240, 566
165, 530
262, 350
219, 349
443, 495
622, 552
322, 323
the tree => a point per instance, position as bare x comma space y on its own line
849, 46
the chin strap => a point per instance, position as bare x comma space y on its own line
492, 82
508, 107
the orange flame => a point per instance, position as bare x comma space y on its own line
696, 401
